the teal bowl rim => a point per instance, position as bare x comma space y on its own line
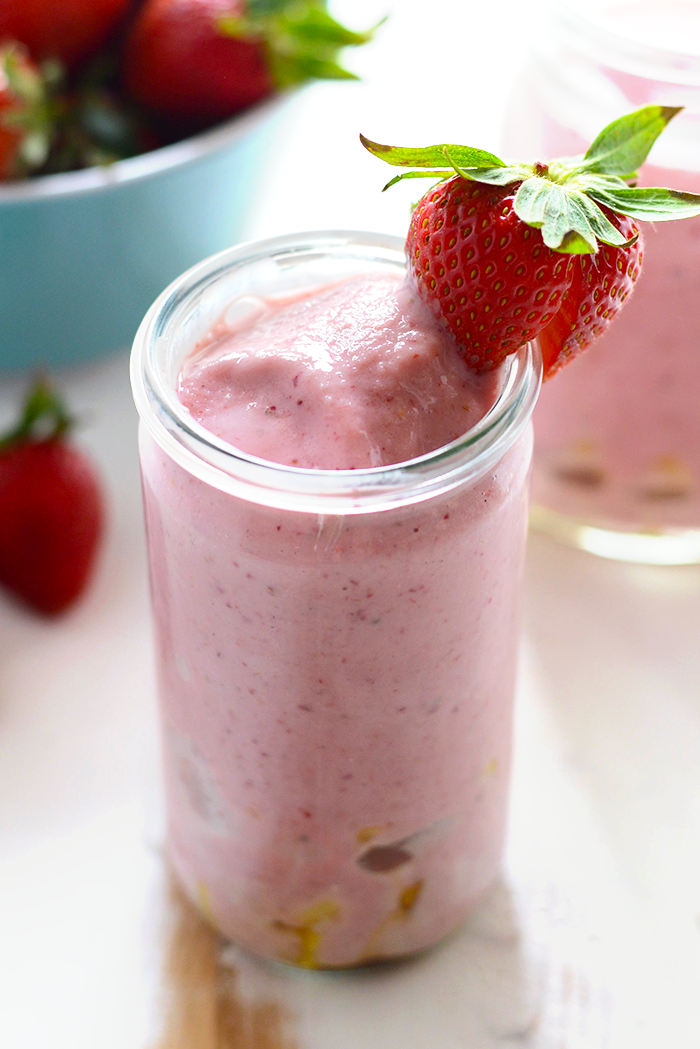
146, 165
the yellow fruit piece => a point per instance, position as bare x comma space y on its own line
366, 834
323, 911
309, 942
668, 477
409, 897
204, 902
305, 929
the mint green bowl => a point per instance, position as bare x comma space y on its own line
84, 254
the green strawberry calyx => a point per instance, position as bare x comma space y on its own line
44, 417
565, 197
37, 110
300, 38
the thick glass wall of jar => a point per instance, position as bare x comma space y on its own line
336, 648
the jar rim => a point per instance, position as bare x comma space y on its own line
239, 473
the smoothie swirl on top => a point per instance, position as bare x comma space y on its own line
356, 375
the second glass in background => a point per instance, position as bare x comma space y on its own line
617, 436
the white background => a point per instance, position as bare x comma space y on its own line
592, 940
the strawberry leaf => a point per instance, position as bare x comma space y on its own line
566, 226
501, 176
654, 204
300, 38
259, 8
600, 223
570, 221
622, 147
560, 214
235, 26
22, 79
530, 200
44, 417
287, 71
432, 156
312, 22
35, 111
441, 175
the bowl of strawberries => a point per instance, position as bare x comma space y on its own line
132, 136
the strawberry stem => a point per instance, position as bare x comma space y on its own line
564, 198
44, 417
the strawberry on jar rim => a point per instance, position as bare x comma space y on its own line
69, 30
504, 253
51, 508
204, 60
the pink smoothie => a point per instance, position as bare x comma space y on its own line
336, 689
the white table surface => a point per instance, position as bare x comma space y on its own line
592, 938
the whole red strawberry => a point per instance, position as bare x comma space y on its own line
70, 30
51, 508
506, 252
204, 60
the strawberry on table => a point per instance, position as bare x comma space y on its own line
51, 508
507, 252
70, 30
204, 60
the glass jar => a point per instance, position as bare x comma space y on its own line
335, 649
617, 433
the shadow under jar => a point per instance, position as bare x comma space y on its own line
336, 649
617, 434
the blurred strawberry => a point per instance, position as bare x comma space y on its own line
70, 30
204, 60
46, 127
51, 507
28, 112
